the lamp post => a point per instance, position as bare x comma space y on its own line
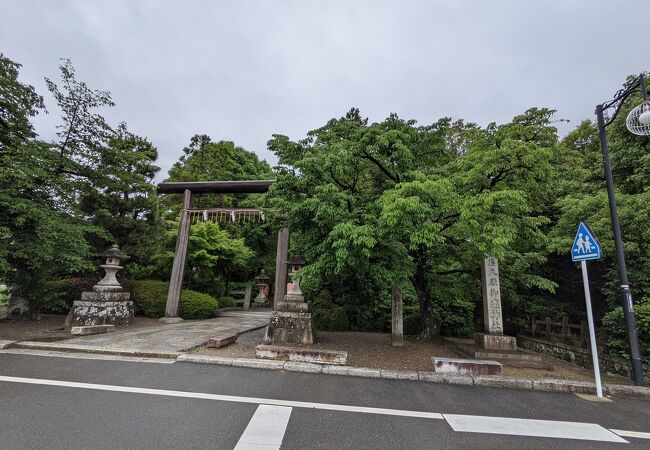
638, 122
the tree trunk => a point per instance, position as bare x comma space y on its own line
430, 328
226, 281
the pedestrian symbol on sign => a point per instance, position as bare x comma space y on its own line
585, 246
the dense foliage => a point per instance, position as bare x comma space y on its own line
395, 204
213, 256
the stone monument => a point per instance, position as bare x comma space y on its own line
291, 321
397, 324
247, 297
493, 338
108, 303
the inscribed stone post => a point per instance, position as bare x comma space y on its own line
247, 297
397, 322
492, 316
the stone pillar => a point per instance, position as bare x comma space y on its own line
178, 267
281, 267
492, 317
493, 338
397, 323
247, 297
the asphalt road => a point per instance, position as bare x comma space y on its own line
54, 402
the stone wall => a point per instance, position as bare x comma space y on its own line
580, 356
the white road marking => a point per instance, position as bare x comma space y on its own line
632, 434
223, 398
266, 428
528, 427
474, 424
55, 354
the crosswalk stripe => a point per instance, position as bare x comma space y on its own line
530, 427
266, 428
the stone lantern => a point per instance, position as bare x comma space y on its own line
114, 257
107, 303
291, 322
295, 263
262, 281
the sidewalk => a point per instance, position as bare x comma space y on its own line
168, 340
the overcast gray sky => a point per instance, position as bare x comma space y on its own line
244, 70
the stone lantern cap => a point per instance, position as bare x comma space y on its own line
261, 279
296, 260
115, 253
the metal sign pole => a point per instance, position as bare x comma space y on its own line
592, 331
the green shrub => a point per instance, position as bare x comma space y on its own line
226, 302
150, 298
4, 294
614, 324
412, 320
329, 317
196, 305
60, 294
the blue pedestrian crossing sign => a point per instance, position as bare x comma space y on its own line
585, 246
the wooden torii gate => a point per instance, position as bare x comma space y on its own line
188, 215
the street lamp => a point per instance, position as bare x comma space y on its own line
638, 122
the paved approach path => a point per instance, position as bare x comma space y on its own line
170, 338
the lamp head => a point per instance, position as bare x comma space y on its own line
638, 120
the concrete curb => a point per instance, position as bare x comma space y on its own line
56, 346
6, 344
493, 381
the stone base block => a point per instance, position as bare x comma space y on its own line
466, 366
99, 309
317, 356
288, 327
293, 306
92, 329
496, 342
511, 356
222, 340
105, 296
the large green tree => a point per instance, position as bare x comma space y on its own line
392, 203
205, 160
40, 235
62, 201
122, 198
213, 256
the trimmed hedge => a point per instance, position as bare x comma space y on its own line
328, 317
150, 298
226, 302
60, 294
